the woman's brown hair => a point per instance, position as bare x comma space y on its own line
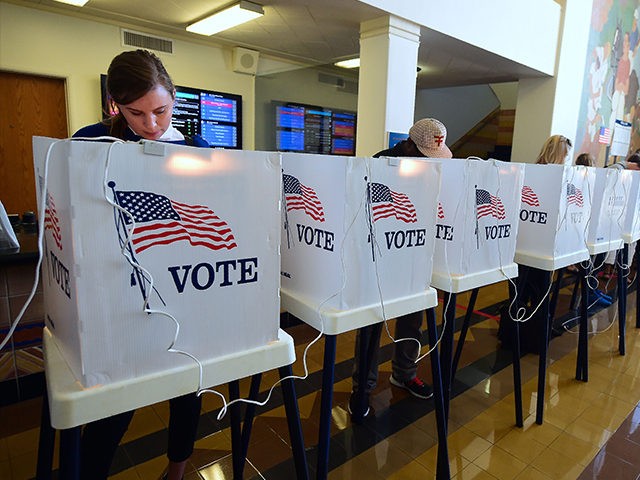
132, 75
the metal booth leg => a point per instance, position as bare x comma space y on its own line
293, 422
544, 348
46, 442
442, 472
324, 437
446, 352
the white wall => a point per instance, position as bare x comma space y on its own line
43, 43
521, 30
459, 108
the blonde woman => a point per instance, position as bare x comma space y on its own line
555, 150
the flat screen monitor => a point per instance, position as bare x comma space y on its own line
314, 129
215, 116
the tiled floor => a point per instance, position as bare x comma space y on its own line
590, 430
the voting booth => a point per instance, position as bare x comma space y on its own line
604, 232
556, 207
631, 222
357, 233
477, 223
194, 232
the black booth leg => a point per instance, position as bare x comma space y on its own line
582, 362
324, 436
442, 471
517, 376
446, 352
293, 423
637, 257
249, 414
463, 333
621, 257
70, 453
544, 347
46, 442
235, 414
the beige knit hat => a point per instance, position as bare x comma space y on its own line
429, 136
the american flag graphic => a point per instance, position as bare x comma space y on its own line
529, 196
162, 221
604, 135
387, 203
440, 211
574, 195
301, 197
488, 204
51, 221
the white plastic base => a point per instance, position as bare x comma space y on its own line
72, 405
602, 247
551, 263
626, 238
340, 321
463, 283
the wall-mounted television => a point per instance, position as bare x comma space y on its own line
215, 116
314, 129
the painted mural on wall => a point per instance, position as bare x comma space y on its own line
612, 70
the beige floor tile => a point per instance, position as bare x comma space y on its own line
500, 463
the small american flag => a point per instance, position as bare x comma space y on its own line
387, 203
440, 211
604, 136
161, 221
51, 221
488, 204
301, 197
529, 196
574, 195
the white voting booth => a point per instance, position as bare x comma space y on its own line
207, 229
556, 207
631, 222
477, 223
609, 194
357, 233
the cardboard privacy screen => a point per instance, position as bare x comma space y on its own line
631, 223
477, 223
207, 228
556, 207
607, 209
357, 232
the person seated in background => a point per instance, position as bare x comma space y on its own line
426, 139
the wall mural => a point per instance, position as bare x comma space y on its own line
612, 69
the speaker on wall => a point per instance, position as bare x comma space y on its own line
245, 60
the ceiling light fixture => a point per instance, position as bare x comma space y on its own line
351, 63
229, 17
77, 3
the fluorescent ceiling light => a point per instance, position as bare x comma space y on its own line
352, 63
227, 18
77, 3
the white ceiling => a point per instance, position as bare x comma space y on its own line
312, 32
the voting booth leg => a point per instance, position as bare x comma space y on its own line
621, 265
236, 433
515, 349
463, 332
70, 453
293, 422
544, 347
46, 442
556, 293
369, 343
249, 413
442, 472
324, 437
446, 352
582, 362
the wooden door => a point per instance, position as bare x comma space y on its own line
29, 105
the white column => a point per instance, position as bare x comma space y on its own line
387, 81
551, 106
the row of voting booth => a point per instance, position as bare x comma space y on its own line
158, 254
